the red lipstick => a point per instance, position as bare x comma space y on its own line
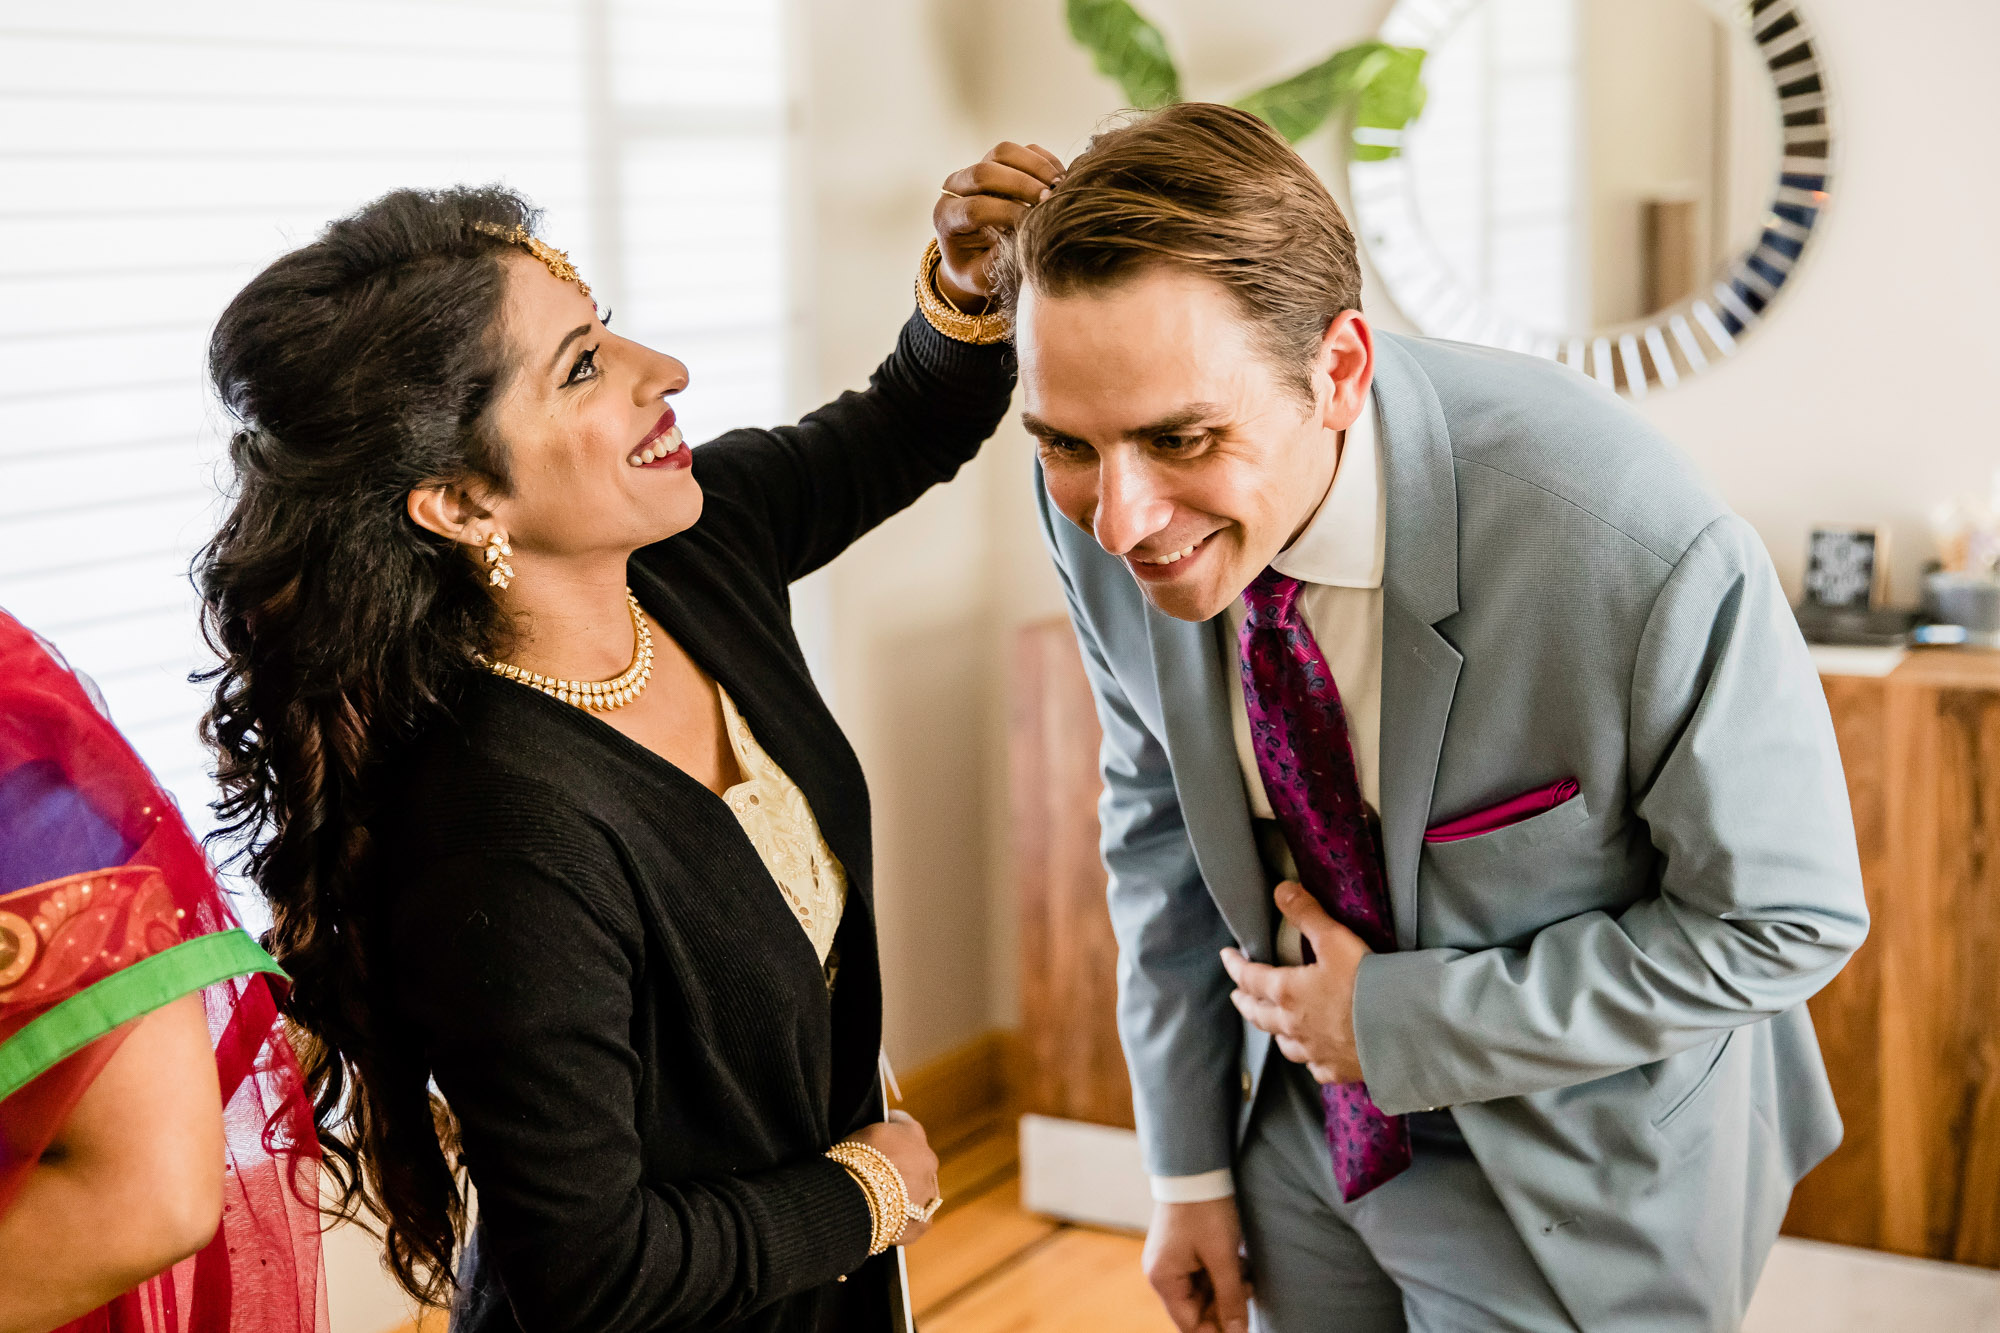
663, 447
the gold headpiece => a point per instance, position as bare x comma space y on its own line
557, 262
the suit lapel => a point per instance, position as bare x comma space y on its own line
1419, 678
1189, 667
1420, 588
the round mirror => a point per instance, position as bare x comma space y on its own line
1621, 184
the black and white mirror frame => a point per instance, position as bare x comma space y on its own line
1668, 345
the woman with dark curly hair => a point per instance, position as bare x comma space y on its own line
565, 855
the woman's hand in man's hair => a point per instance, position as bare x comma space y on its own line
978, 206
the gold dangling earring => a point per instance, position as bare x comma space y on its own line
498, 572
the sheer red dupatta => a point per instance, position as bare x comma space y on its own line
109, 909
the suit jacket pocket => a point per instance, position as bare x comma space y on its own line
1501, 887
1517, 810
1682, 1088
1519, 834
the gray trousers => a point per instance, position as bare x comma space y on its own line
1430, 1251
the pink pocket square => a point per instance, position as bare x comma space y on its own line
1512, 811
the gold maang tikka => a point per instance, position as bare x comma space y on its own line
556, 260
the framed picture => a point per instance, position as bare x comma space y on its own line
1847, 568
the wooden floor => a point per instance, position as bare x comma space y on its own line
988, 1267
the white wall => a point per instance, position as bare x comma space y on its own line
1862, 397
361, 1296
908, 667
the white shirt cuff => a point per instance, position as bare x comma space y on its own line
1194, 1189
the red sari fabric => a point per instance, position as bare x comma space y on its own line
98, 871
58, 939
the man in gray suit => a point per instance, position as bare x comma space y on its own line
1452, 649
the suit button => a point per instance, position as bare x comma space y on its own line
1246, 1085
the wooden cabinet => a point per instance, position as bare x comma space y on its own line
1911, 1028
1071, 1064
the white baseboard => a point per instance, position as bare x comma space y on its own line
1083, 1173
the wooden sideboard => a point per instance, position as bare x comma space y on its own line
1911, 1028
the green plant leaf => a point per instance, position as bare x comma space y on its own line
1383, 83
1387, 103
1128, 48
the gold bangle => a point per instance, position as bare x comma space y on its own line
875, 1210
889, 1197
947, 318
868, 1197
882, 1185
910, 1211
883, 1226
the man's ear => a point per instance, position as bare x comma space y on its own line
1343, 370
448, 509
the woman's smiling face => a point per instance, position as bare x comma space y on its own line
595, 462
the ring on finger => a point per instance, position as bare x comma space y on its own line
927, 1212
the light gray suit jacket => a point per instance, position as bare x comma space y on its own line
1609, 996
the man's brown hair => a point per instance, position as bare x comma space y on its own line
1203, 188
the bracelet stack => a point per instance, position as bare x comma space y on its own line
947, 318
888, 1197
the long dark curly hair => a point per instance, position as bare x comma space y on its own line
360, 366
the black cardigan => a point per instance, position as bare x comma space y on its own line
587, 955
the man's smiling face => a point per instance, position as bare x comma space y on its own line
1167, 432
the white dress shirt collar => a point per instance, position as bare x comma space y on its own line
1344, 544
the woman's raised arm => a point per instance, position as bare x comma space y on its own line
797, 496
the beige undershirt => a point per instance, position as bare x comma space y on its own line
779, 822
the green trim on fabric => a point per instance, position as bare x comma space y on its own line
149, 984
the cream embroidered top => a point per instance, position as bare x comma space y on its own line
780, 825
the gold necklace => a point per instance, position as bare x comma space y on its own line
596, 696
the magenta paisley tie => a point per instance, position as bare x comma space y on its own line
1299, 732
